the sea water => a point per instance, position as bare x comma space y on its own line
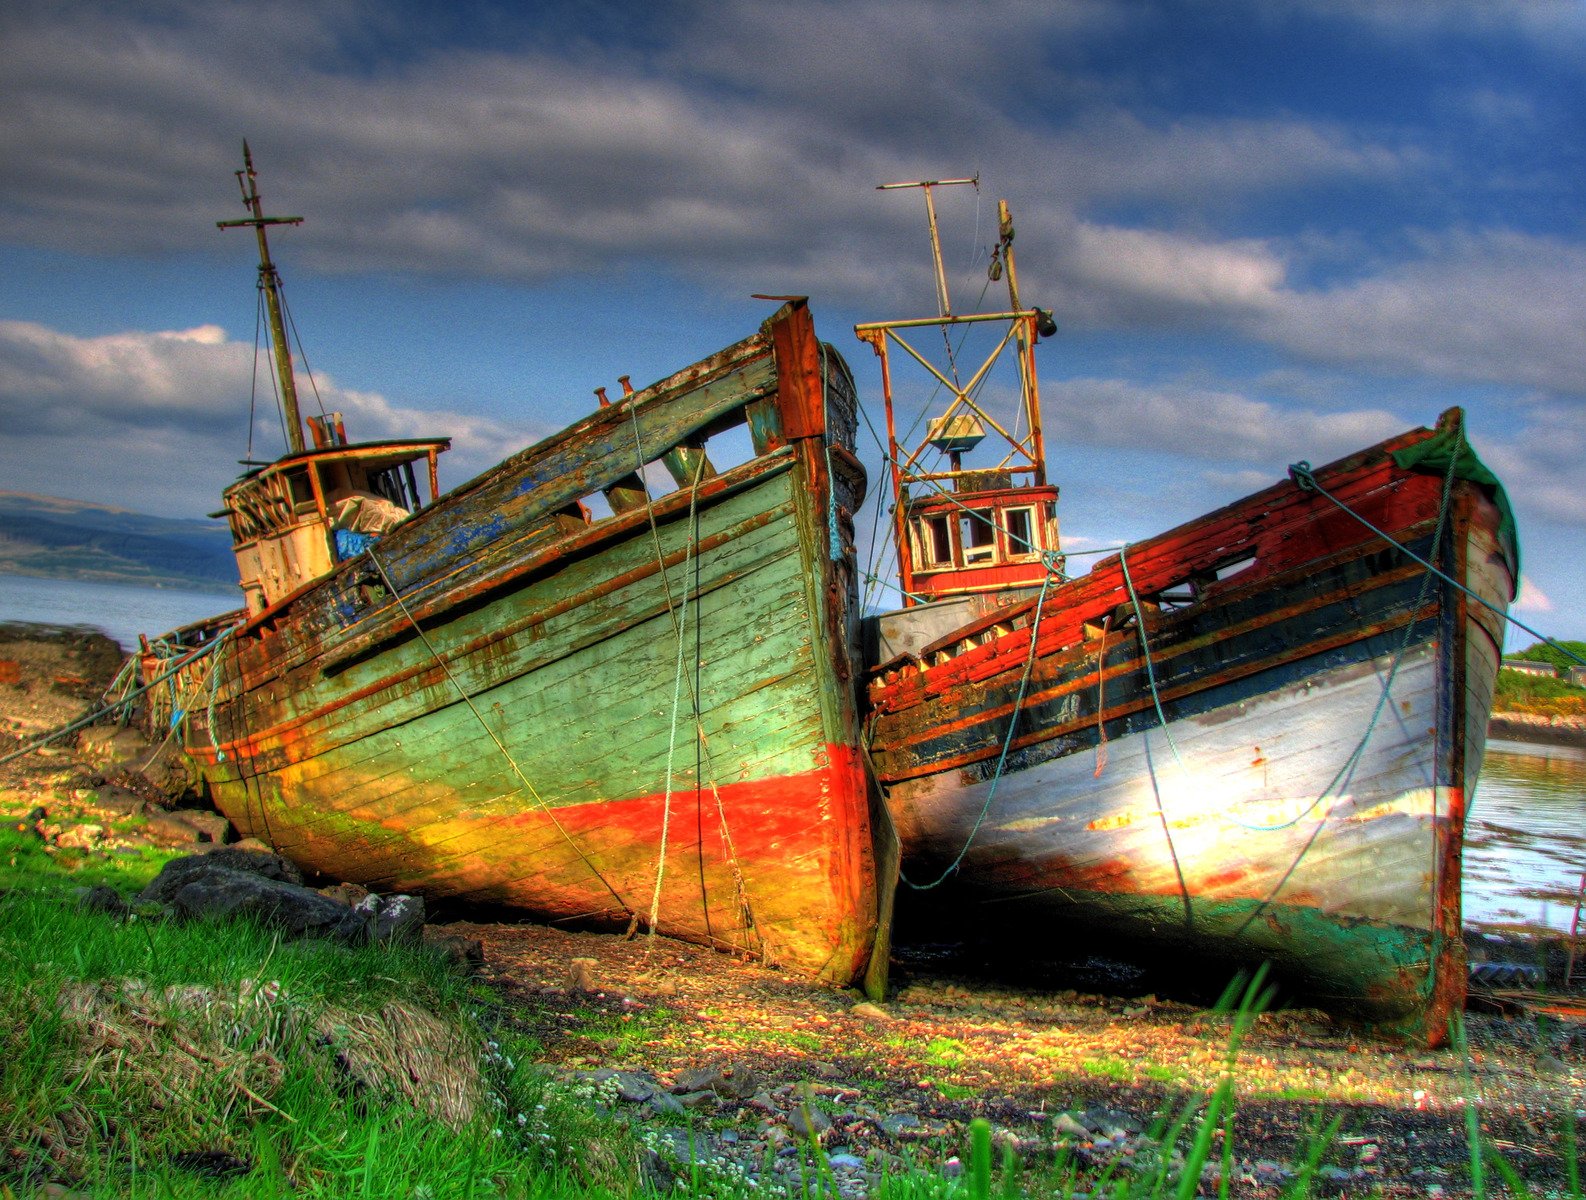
1525, 839
121, 610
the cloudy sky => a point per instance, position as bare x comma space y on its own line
1269, 229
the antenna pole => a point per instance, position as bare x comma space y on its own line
943, 303
270, 284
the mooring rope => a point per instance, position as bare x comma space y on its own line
681, 624
1301, 474
485, 725
1007, 743
699, 723
1150, 674
83, 722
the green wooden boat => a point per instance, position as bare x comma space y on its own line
560, 687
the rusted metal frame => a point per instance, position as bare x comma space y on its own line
1167, 695
921, 690
429, 670
1165, 653
900, 515
961, 394
514, 562
1067, 614
441, 594
1156, 562
559, 473
922, 322
1029, 389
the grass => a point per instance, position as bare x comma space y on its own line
136, 1052
132, 1049
1519, 692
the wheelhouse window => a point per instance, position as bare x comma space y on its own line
1020, 526
935, 541
979, 537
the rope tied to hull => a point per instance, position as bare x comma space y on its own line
1303, 476
491, 733
703, 759
1048, 560
681, 622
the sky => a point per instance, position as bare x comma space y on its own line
1269, 230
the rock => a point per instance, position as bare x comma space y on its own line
1064, 1125
109, 743
581, 975
210, 826
687, 1147
634, 1086
388, 920
953, 1168
345, 893
870, 1012
666, 1105
163, 827
111, 798
734, 1082
694, 1099
102, 899
845, 1162
806, 1121
899, 1124
230, 883
176, 873
468, 953
253, 845
80, 837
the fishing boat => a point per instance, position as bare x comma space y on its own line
1252, 738
561, 687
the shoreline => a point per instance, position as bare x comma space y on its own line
1537, 729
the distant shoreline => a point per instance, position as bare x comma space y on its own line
1537, 729
178, 583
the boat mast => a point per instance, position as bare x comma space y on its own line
1017, 481
270, 285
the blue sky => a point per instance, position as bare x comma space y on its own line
1270, 231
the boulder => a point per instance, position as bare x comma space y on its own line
210, 826
221, 892
389, 920
177, 873
109, 743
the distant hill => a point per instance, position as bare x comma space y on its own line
72, 539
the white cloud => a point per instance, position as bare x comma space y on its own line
1531, 598
157, 420
1210, 425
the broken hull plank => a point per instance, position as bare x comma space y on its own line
1251, 837
521, 728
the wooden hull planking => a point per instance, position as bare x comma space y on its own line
555, 700
1287, 811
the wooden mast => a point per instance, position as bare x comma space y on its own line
270, 284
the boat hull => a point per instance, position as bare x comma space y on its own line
646, 720
1282, 775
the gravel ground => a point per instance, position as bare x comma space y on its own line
656, 1030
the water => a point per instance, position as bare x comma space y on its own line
1525, 844
1525, 841
122, 610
